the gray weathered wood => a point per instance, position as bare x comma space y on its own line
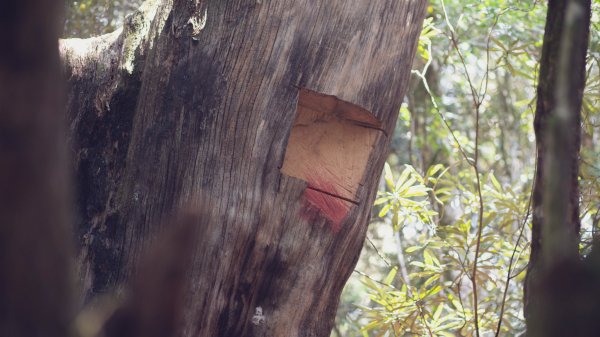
192, 105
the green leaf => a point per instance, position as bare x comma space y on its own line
431, 280
415, 191
385, 210
495, 182
389, 177
438, 311
412, 249
381, 200
390, 276
428, 258
402, 179
434, 169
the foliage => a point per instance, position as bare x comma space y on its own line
87, 18
435, 299
590, 170
436, 253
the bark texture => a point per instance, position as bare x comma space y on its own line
557, 286
35, 269
273, 116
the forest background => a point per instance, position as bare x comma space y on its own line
473, 90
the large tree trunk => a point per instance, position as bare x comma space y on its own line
559, 290
274, 115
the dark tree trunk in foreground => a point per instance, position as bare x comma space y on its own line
35, 274
273, 116
561, 297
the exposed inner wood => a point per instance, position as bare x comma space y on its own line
207, 116
329, 146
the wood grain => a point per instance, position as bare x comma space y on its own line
206, 116
329, 146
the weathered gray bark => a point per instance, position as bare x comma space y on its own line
273, 115
35, 269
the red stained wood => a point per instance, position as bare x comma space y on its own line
318, 202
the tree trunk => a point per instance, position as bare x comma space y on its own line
35, 269
557, 288
275, 116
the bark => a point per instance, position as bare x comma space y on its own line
35, 269
556, 286
274, 116
154, 306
